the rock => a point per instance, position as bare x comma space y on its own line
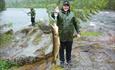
7, 32
45, 28
23, 45
96, 46
29, 30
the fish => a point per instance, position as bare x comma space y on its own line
56, 42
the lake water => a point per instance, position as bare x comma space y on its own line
19, 18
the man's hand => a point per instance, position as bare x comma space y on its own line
56, 11
78, 35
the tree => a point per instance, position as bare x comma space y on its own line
84, 8
2, 5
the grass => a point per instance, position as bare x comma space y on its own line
90, 33
6, 65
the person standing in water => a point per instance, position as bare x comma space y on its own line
32, 14
66, 22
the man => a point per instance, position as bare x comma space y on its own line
32, 13
67, 23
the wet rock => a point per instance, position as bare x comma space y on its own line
83, 38
26, 30
37, 38
110, 61
45, 28
29, 30
112, 38
7, 32
25, 60
111, 53
27, 41
100, 57
96, 46
23, 45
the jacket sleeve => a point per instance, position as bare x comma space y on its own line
76, 25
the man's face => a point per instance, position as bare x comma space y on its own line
66, 8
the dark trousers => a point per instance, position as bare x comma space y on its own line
67, 45
33, 21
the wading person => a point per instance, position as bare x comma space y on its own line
32, 14
66, 22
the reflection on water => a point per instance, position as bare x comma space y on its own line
19, 18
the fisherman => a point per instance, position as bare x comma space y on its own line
32, 13
66, 22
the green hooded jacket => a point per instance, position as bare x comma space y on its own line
67, 24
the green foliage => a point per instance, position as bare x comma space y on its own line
84, 8
6, 65
111, 4
2, 5
32, 3
5, 38
90, 33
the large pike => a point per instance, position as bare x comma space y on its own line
56, 42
